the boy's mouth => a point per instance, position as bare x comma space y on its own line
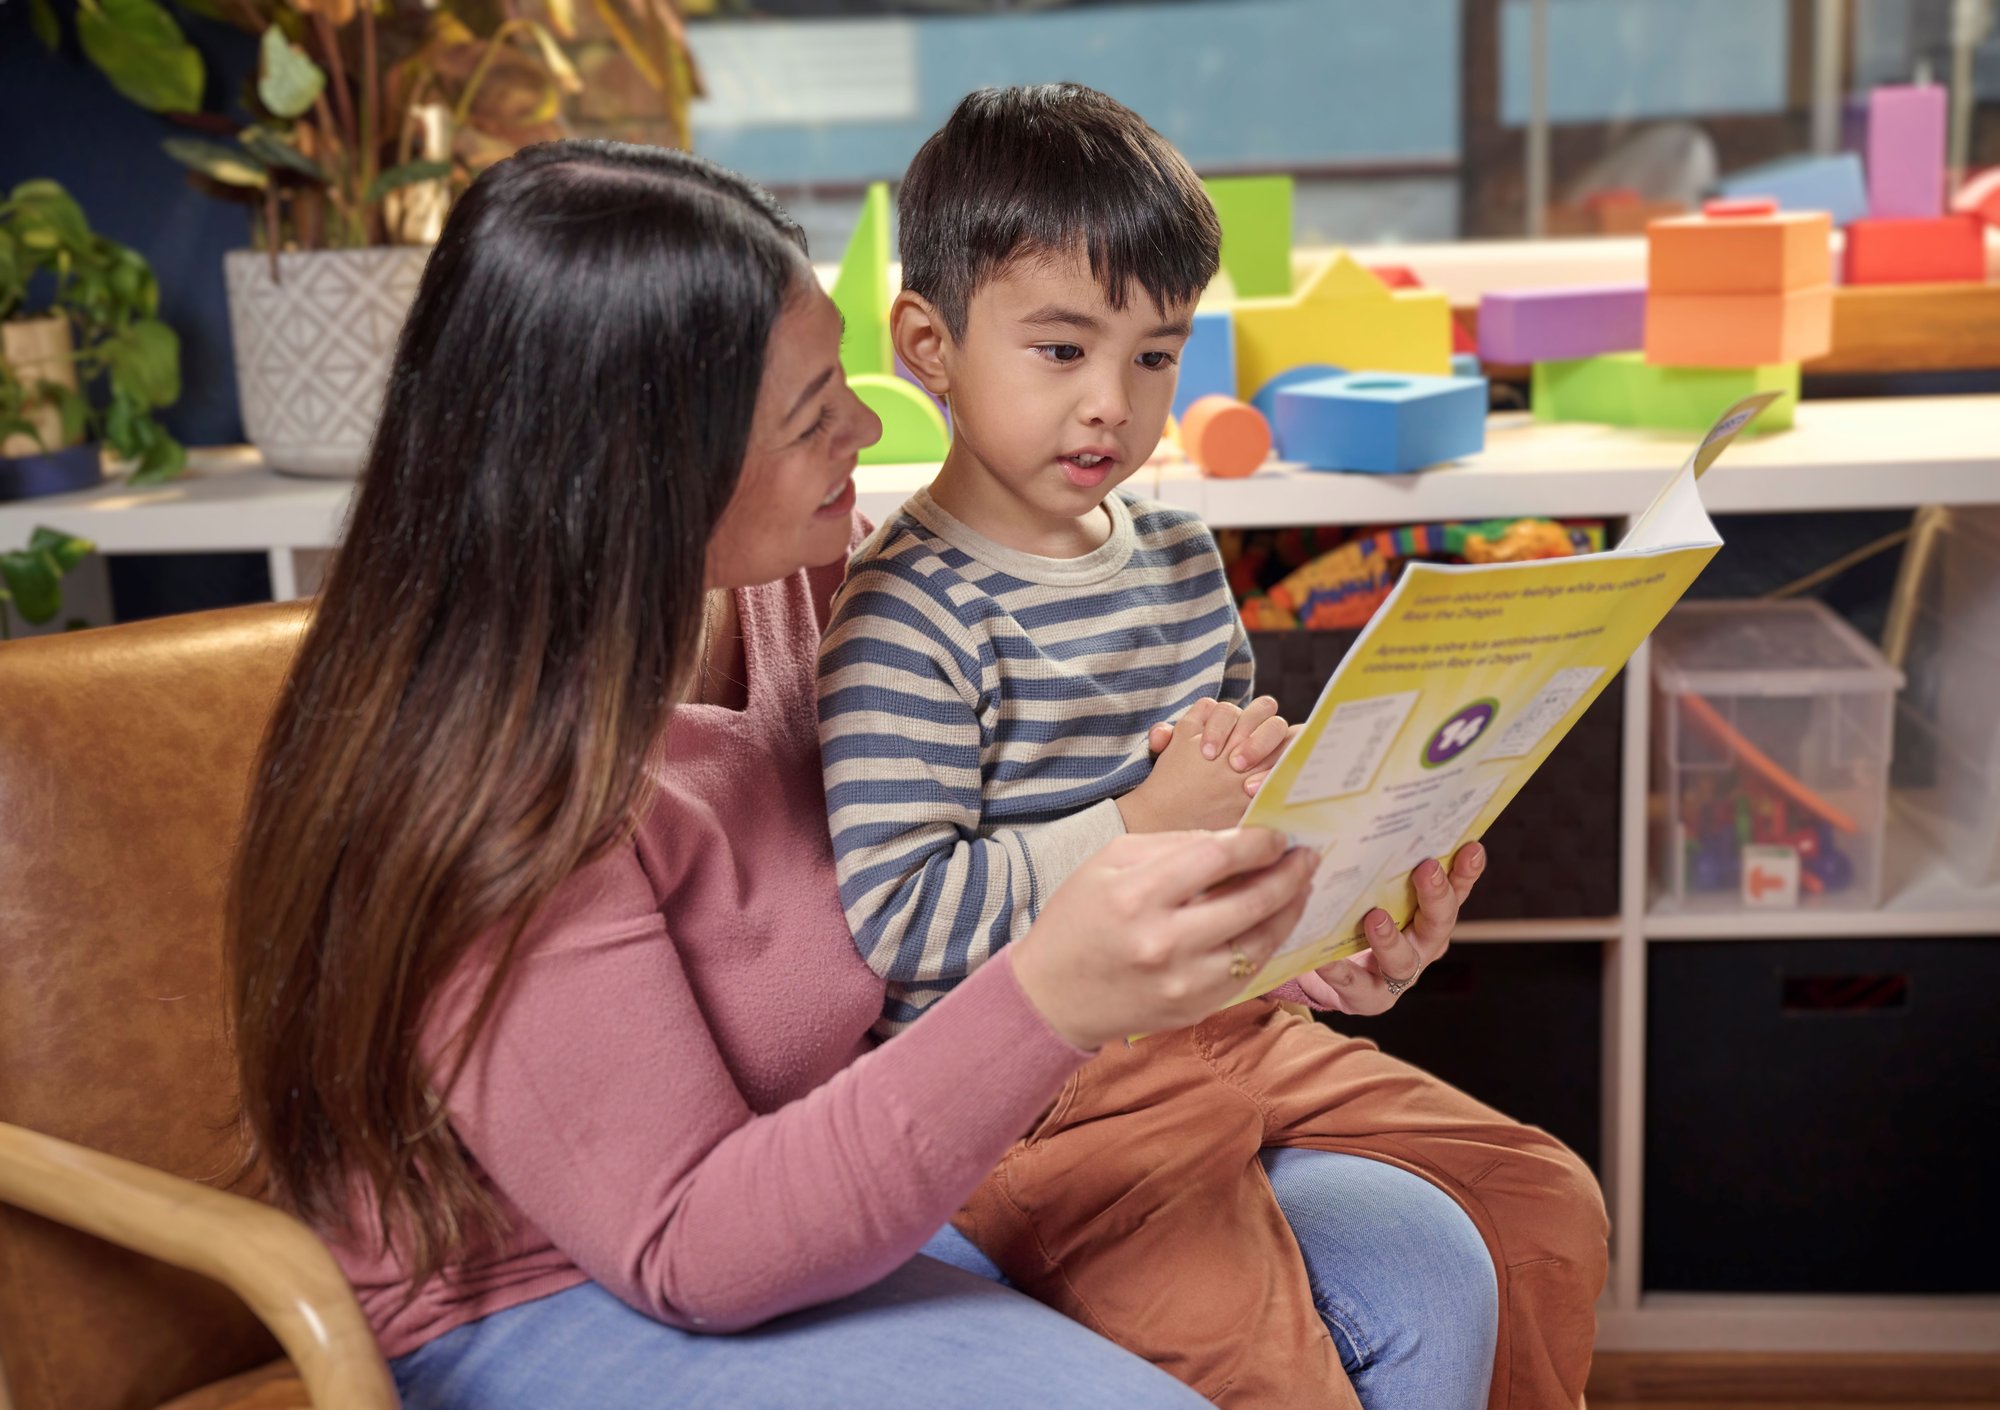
1087, 469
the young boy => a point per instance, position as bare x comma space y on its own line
987, 683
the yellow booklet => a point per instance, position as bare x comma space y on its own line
1462, 683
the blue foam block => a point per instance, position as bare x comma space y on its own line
1832, 183
1208, 360
1266, 399
1381, 423
1466, 365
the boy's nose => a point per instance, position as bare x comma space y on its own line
1108, 405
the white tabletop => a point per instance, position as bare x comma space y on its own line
1871, 454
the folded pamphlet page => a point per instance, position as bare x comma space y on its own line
1461, 684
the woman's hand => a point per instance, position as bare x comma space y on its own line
1372, 981
1158, 931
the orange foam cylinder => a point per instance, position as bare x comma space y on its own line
1227, 438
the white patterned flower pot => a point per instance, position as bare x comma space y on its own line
313, 349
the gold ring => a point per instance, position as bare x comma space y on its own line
1240, 966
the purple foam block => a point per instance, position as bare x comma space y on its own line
1906, 153
1551, 325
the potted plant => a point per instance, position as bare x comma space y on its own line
364, 118
83, 361
31, 579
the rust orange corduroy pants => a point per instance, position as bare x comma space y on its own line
1138, 1207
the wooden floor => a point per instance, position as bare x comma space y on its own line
1717, 1382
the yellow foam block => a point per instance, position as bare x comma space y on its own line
1345, 316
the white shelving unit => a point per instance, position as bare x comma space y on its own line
1842, 455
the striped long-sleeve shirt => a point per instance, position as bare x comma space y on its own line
981, 709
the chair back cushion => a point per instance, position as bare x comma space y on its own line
125, 759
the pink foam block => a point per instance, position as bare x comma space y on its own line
1906, 153
1549, 325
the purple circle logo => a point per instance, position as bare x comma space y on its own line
1457, 734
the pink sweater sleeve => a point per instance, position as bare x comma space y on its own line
597, 1100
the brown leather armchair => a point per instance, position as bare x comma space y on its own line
125, 1281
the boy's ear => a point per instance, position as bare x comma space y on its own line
917, 331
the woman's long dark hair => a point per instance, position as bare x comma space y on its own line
493, 656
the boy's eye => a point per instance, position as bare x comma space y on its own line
1157, 361
1061, 352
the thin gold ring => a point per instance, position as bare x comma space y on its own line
1240, 966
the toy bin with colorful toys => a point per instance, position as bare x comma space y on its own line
1773, 723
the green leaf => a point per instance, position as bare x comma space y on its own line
35, 582
161, 460
66, 549
274, 151
42, 207
290, 81
144, 359
42, 19
15, 426
71, 406
142, 51
121, 427
224, 164
408, 174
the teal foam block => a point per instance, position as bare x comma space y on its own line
1382, 423
1466, 365
1833, 184
1208, 361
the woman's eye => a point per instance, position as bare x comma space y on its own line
1157, 361
825, 418
1062, 352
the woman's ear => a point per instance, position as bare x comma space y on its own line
921, 340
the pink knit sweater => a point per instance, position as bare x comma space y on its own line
677, 1097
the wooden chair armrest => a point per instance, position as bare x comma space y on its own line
272, 1261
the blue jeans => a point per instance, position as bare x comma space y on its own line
1399, 1273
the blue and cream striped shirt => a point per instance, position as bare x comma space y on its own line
982, 708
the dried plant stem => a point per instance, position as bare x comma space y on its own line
370, 110
492, 51
336, 65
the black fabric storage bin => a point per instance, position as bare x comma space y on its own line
1553, 855
1517, 1025
1819, 1116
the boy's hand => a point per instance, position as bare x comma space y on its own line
1249, 739
1208, 767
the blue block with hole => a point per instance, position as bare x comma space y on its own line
1381, 423
1208, 360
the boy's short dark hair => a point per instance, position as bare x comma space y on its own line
1044, 169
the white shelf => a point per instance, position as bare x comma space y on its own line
1873, 454
1923, 897
1870, 454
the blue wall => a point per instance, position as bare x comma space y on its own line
1613, 59
1245, 83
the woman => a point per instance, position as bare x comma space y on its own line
544, 1007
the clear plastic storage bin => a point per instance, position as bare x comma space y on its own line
1944, 631
1771, 759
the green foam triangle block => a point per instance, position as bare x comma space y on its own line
1256, 215
861, 292
913, 430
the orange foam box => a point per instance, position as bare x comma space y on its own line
1934, 250
1739, 247
1738, 330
